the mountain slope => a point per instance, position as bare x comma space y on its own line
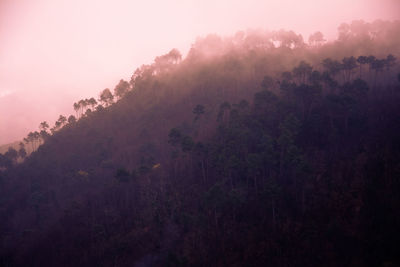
239, 155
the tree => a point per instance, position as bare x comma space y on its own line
377, 65
289, 129
167, 61
344, 32
265, 103
83, 103
316, 39
5, 162
61, 121
340, 106
362, 60
187, 143
307, 95
348, 64
370, 60
106, 97
333, 67
201, 152
44, 135
288, 39
390, 61
122, 175
358, 89
287, 76
43, 126
31, 139
71, 119
223, 111
302, 71
11, 154
328, 81
36, 138
315, 77
77, 108
175, 137
198, 111
22, 152
268, 82
121, 89
174, 56
92, 102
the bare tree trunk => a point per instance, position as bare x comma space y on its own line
281, 162
273, 213
255, 184
203, 171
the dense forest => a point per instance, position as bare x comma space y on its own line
258, 149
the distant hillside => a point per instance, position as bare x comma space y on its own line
254, 150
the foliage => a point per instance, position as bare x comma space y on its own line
291, 159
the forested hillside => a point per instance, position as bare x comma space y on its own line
254, 150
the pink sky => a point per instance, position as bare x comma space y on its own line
55, 52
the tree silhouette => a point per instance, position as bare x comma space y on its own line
92, 103
167, 61
37, 139
390, 62
362, 60
77, 108
71, 119
12, 155
5, 162
288, 39
370, 60
267, 82
59, 123
31, 139
106, 97
223, 114
333, 67
44, 135
175, 137
187, 143
121, 89
316, 39
123, 176
302, 71
287, 76
307, 95
289, 129
198, 111
83, 103
44, 126
378, 66
315, 77
348, 65
175, 56
22, 152
328, 81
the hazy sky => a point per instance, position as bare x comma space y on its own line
55, 52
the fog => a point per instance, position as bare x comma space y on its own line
55, 52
